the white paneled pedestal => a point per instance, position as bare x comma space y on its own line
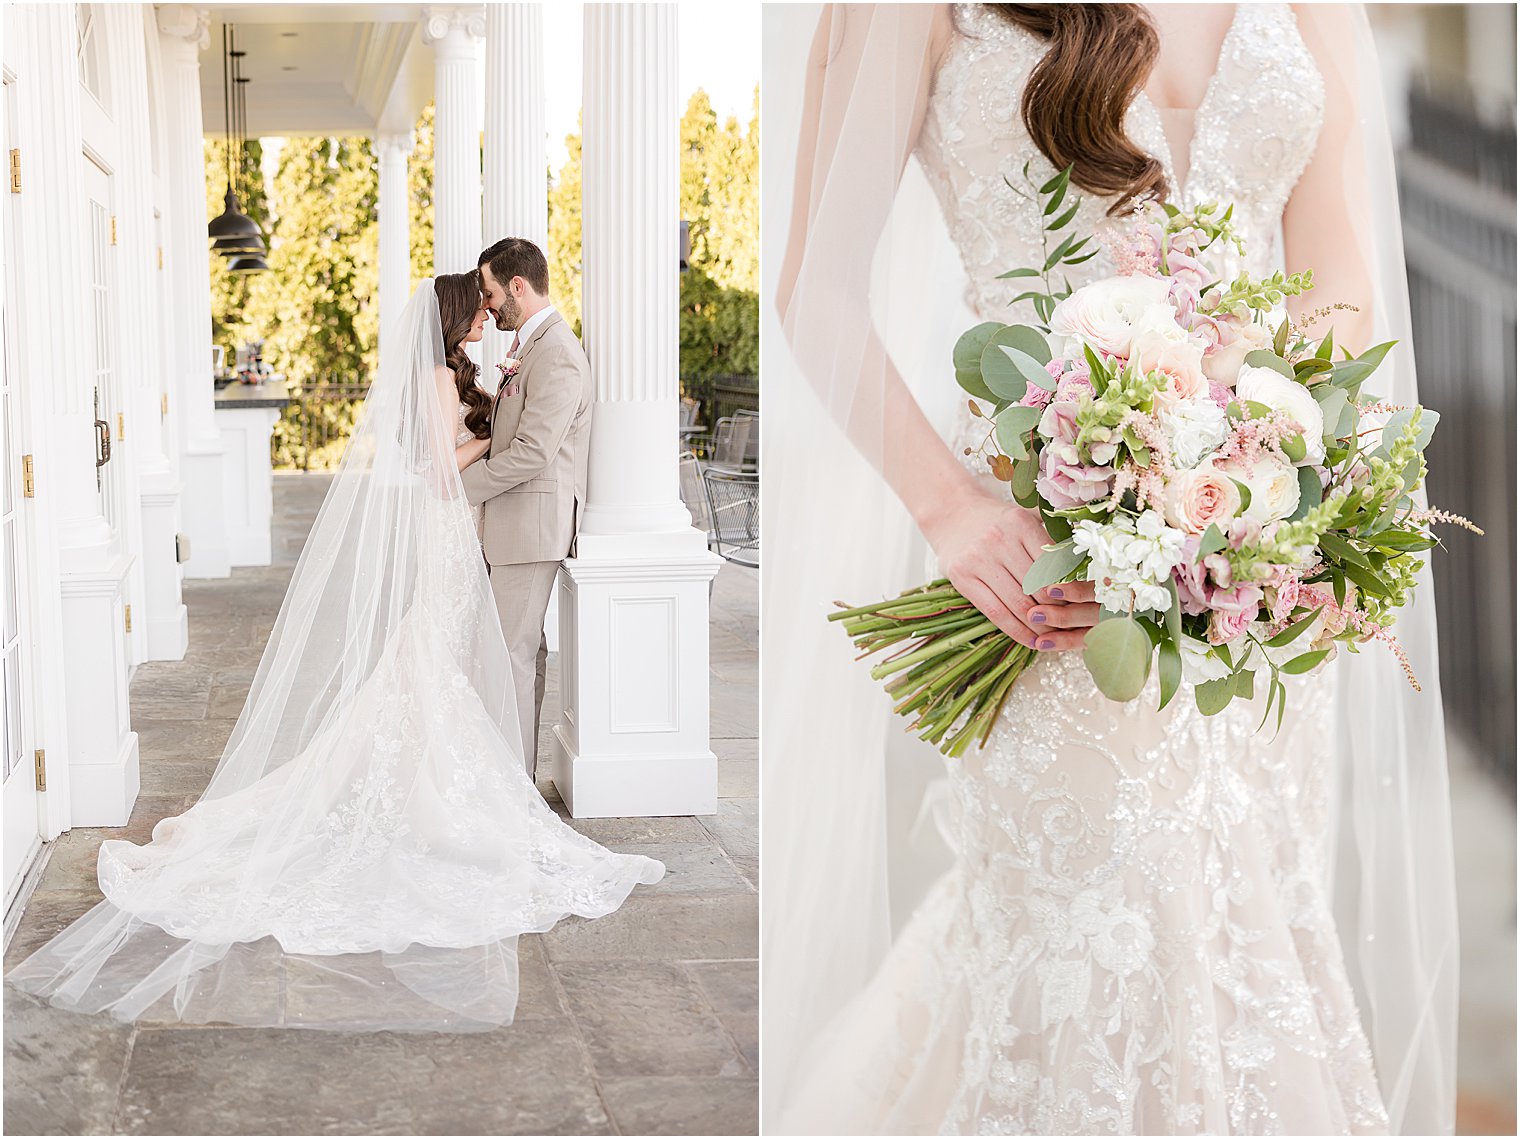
245, 426
632, 738
103, 770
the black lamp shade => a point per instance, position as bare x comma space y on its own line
248, 263
232, 246
232, 222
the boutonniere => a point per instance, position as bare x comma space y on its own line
509, 382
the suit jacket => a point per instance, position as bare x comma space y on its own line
533, 479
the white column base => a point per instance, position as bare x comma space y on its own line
204, 504
632, 738
103, 767
166, 617
102, 794
249, 487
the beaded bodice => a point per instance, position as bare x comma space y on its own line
1253, 135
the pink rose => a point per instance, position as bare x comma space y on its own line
1227, 627
1197, 498
1075, 384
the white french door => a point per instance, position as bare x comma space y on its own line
102, 305
22, 817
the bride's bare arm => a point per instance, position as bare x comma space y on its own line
869, 76
1327, 224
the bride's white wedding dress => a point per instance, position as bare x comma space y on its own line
1136, 934
369, 848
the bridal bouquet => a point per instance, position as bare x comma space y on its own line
1241, 506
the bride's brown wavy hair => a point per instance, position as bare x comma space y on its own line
1076, 97
459, 299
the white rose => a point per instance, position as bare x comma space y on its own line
1273, 485
1195, 499
1103, 315
1194, 429
1264, 385
1224, 363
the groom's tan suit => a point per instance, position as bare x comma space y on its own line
533, 484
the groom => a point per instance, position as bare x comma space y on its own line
533, 479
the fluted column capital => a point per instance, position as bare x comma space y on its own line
395, 144
185, 24
453, 29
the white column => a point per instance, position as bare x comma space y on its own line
395, 230
516, 159
102, 775
455, 32
183, 33
160, 627
633, 738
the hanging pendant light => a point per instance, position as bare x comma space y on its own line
233, 232
239, 243
248, 263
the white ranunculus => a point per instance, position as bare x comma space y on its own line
1264, 385
1194, 429
1273, 485
1103, 315
1197, 665
1224, 363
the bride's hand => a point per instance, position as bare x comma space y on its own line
985, 547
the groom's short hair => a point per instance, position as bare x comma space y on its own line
518, 257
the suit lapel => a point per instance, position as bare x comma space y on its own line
522, 358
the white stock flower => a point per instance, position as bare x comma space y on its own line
1103, 315
1131, 560
1194, 429
1197, 665
1264, 385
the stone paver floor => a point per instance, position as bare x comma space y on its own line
643, 1022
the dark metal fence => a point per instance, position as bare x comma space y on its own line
313, 430
1457, 199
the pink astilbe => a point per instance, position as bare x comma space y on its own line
1314, 598
1251, 437
1381, 408
1150, 482
1134, 254
1426, 517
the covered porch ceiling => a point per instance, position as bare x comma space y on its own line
317, 69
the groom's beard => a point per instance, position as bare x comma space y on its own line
509, 315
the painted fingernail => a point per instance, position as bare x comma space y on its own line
1054, 592
1037, 618
1047, 643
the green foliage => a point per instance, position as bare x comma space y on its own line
720, 198
564, 250
419, 179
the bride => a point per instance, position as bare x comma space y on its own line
369, 848
1134, 932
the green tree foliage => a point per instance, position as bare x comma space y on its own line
564, 250
720, 198
419, 172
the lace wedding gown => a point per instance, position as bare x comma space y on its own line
1135, 936
370, 847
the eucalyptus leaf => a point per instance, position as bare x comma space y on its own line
1168, 671
1296, 450
967, 356
1262, 358
1013, 428
1398, 421
1214, 696
1310, 493
1305, 662
1213, 540
1118, 655
1022, 484
1051, 568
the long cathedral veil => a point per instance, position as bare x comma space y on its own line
836, 826
369, 848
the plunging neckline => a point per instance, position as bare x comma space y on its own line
1210, 92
